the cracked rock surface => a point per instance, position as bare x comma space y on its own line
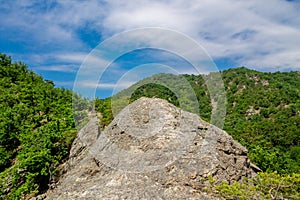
151, 150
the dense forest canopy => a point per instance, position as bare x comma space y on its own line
36, 129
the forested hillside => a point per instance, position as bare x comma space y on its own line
36, 130
263, 112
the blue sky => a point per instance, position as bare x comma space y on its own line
54, 37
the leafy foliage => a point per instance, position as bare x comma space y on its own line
36, 129
151, 90
263, 186
264, 115
104, 107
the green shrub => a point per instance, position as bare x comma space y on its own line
263, 186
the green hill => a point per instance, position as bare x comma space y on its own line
36, 130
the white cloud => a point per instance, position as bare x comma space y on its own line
254, 30
58, 68
68, 84
280, 61
71, 57
258, 34
53, 61
119, 86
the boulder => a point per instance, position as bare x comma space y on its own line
151, 150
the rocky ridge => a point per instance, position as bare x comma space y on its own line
151, 150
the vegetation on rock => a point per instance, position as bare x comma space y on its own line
263, 186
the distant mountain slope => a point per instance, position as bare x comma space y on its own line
263, 111
264, 114
36, 130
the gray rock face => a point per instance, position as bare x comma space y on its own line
151, 150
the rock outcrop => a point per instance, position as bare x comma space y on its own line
151, 150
